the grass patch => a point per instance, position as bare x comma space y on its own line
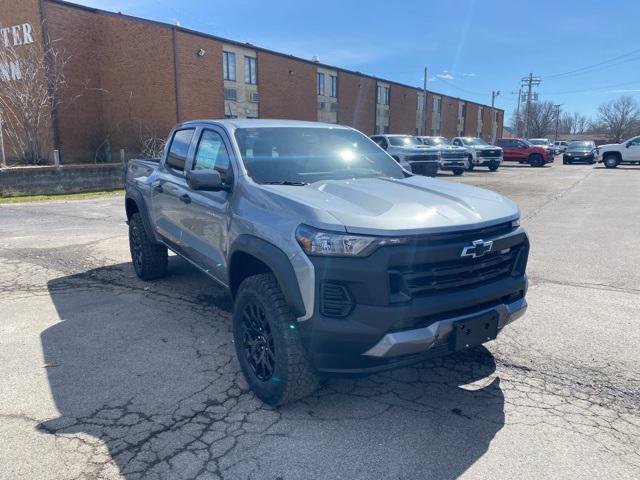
61, 196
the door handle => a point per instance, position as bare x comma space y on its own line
158, 187
185, 198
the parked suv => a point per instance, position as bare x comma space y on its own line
410, 153
451, 157
336, 258
521, 151
560, 146
615, 154
480, 153
580, 151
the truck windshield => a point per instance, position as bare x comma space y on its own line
473, 141
581, 145
302, 155
404, 141
435, 141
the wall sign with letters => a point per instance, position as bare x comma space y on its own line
13, 37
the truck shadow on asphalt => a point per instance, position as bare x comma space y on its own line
148, 371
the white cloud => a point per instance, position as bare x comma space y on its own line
445, 75
470, 74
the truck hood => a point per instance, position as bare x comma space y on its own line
414, 205
483, 147
448, 148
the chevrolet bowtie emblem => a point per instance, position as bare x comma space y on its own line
477, 249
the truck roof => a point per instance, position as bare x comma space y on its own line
261, 123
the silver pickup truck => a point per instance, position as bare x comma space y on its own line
337, 259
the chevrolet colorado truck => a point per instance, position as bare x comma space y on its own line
410, 153
452, 158
615, 154
338, 260
481, 153
521, 151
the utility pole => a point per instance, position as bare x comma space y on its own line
529, 82
518, 112
424, 103
557, 118
494, 94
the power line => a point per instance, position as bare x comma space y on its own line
596, 89
589, 67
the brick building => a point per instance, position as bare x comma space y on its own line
130, 78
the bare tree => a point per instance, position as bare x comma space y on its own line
30, 82
619, 118
573, 123
542, 116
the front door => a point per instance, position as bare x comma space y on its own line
207, 221
633, 151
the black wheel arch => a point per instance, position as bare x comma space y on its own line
134, 202
250, 255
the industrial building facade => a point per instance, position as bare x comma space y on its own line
129, 79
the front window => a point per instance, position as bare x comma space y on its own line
581, 145
299, 155
539, 141
435, 141
229, 65
320, 83
250, 76
404, 141
474, 141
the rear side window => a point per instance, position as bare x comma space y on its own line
179, 149
212, 153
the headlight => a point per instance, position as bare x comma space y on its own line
335, 244
515, 223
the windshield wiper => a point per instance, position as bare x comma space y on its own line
286, 182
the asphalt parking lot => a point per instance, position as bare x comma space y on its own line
104, 376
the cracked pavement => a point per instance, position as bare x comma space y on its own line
104, 376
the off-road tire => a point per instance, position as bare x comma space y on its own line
493, 166
149, 259
458, 171
293, 376
610, 161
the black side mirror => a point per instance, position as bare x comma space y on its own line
206, 180
628, 144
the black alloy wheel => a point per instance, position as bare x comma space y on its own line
257, 341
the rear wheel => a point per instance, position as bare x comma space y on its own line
458, 171
270, 351
149, 259
611, 161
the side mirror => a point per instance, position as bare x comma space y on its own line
628, 144
206, 181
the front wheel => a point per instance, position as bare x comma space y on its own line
270, 351
493, 166
458, 171
610, 161
470, 167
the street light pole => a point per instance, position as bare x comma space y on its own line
494, 94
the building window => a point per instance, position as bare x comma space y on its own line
254, 97
320, 105
229, 65
320, 83
436, 104
230, 94
382, 95
385, 96
333, 86
333, 107
420, 103
250, 70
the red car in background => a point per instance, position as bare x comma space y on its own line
521, 151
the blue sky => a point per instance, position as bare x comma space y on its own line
471, 47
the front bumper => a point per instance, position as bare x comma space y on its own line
451, 163
579, 157
387, 325
483, 161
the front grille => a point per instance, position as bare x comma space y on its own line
447, 238
335, 300
489, 153
415, 158
454, 155
424, 168
427, 279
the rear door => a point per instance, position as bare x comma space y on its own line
207, 215
170, 190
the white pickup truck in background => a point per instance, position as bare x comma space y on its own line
615, 154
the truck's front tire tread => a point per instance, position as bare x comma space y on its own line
293, 377
154, 257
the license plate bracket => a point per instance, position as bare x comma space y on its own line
475, 331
